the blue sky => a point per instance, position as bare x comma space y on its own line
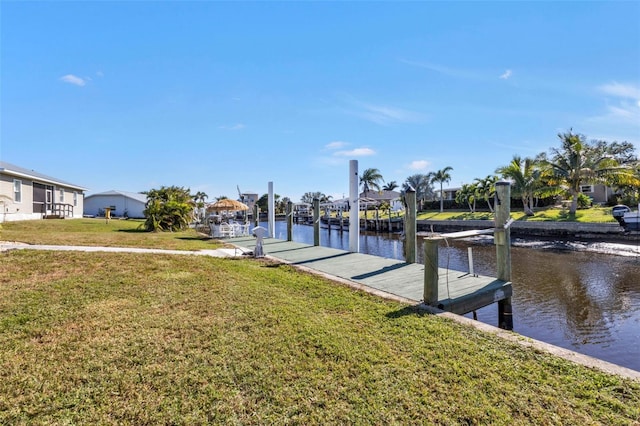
214, 95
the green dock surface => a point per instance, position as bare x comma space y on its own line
458, 292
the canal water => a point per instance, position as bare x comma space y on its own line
571, 295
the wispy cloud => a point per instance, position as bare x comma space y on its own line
357, 152
72, 79
336, 145
506, 75
441, 69
382, 114
624, 108
627, 91
238, 126
419, 165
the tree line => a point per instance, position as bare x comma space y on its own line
559, 173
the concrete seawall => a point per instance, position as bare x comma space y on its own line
600, 231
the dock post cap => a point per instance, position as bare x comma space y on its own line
503, 182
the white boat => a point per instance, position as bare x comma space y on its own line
628, 219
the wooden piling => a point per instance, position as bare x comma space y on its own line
316, 222
256, 215
410, 226
289, 221
502, 240
430, 295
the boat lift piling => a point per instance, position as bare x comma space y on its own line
316, 222
480, 297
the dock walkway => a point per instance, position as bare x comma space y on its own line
458, 292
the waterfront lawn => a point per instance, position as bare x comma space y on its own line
591, 215
97, 232
121, 338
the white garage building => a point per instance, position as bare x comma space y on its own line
122, 204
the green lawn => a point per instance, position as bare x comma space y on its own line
117, 338
594, 214
97, 232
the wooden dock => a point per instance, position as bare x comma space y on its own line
458, 292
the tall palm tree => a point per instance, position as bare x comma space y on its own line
487, 188
421, 183
526, 178
577, 163
369, 179
442, 176
390, 186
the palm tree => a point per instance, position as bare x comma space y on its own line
442, 176
421, 183
577, 163
199, 198
370, 178
487, 188
308, 197
468, 193
525, 176
390, 186
168, 209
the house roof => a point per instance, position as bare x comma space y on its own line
13, 170
132, 195
380, 195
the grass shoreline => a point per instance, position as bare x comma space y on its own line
125, 338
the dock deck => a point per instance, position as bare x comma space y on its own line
458, 292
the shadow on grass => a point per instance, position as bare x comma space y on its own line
472, 216
135, 231
207, 238
408, 310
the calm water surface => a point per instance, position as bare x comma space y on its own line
583, 301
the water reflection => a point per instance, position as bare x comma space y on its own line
587, 302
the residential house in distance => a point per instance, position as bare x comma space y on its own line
250, 199
598, 192
449, 193
26, 194
378, 197
121, 203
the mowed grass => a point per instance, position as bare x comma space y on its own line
99, 232
591, 215
117, 338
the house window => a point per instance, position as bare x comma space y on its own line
75, 199
61, 196
586, 188
17, 191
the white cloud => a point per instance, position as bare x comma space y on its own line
627, 91
336, 145
506, 75
99, 73
419, 165
358, 152
238, 126
623, 110
72, 79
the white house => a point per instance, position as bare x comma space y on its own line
378, 197
26, 194
121, 203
